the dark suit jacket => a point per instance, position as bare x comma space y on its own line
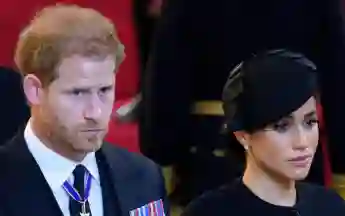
24, 190
198, 42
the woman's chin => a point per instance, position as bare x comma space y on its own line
299, 174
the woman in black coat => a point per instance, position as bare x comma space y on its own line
269, 103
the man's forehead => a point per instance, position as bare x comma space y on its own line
87, 82
73, 81
85, 62
78, 67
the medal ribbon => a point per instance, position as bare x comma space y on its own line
72, 192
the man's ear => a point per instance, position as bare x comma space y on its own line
243, 138
32, 87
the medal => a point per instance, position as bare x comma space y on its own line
83, 210
72, 192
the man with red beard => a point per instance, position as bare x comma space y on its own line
60, 165
14, 15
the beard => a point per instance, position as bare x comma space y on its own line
66, 140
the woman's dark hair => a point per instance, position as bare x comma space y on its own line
267, 87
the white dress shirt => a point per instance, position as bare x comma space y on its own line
57, 169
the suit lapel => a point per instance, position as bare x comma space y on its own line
28, 191
121, 179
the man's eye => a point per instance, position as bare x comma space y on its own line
78, 92
105, 89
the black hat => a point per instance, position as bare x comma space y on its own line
266, 88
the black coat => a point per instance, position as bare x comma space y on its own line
236, 199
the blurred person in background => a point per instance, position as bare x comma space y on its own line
146, 13
14, 110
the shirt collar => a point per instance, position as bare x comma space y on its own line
56, 168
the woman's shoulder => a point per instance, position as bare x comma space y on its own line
316, 191
223, 200
233, 199
321, 198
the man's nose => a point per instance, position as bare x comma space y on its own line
93, 109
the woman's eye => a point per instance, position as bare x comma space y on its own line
281, 126
312, 122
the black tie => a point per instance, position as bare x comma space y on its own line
75, 207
